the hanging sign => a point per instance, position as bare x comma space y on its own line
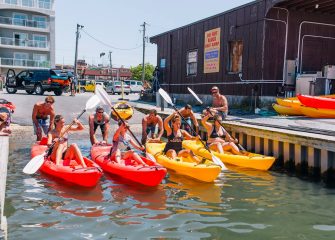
212, 51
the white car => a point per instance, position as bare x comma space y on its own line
115, 88
135, 86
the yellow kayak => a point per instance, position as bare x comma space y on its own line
124, 110
284, 110
205, 172
248, 160
317, 112
288, 102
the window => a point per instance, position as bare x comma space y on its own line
27, 3
191, 62
11, 2
40, 21
20, 59
44, 4
20, 39
40, 41
40, 57
235, 56
20, 19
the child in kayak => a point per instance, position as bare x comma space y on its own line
175, 135
61, 150
121, 136
218, 137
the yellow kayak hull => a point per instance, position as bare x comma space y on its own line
206, 172
248, 160
284, 110
123, 109
317, 112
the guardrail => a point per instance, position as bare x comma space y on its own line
24, 22
23, 43
13, 62
40, 4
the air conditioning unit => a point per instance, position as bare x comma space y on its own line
329, 71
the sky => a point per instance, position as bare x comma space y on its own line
117, 24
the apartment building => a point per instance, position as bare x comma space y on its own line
27, 34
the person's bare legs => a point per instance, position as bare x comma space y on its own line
73, 152
171, 154
133, 155
116, 156
216, 146
186, 153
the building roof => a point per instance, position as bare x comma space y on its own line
124, 72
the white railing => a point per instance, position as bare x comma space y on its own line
30, 3
24, 63
24, 23
24, 43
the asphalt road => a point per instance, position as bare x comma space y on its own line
68, 106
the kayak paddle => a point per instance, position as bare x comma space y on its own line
198, 99
167, 98
36, 163
103, 95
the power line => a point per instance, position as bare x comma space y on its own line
110, 46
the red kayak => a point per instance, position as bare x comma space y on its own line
69, 170
151, 175
317, 102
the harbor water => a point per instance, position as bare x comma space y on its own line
240, 204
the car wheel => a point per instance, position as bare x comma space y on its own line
127, 93
11, 90
113, 93
30, 91
39, 90
58, 92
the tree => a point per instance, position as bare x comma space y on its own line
137, 72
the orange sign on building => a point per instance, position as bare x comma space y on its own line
212, 51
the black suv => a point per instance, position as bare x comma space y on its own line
37, 81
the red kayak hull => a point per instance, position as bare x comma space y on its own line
70, 170
151, 175
317, 102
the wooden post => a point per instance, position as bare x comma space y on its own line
4, 145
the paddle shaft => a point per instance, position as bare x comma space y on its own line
193, 131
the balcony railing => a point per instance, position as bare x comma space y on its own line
24, 63
24, 23
30, 3
24, 43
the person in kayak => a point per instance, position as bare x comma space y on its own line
190, 118
61, 150
99, 119
149, 123
121, 136
175, 135
40, 116
218, 137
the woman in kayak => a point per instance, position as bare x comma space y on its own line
121, 136
175, 135
218, 137
61, 150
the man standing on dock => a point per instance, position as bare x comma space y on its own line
149, 123
40, 116
219, 104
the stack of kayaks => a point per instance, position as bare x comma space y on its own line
247, 160
69, 170
318, 107
150, 175
287, 106
205, 172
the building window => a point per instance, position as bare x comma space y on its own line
11, 2
40, 21
40, 41
27, 3
191, 62
44, 4
235, 56
20, 19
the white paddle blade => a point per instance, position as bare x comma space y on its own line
149, 156
217, 161
103, 95
34, 164
166, 96
92, 102
194, 95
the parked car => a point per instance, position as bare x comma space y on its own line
114, 87
37, 81
135, 86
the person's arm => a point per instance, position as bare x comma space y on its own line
195, 122
107, 125
117, 133
79, 126
135, 145
91, 130
52, 118
144, 127
33, 116
187, 135
166, 123
224, 106
160, 127
49, 139
229, 138
206, 124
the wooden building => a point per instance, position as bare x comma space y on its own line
257, 48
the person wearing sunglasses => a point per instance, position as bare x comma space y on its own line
4, 124
99, 119
219, 104
43, 116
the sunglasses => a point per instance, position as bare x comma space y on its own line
214, 92
100, 112
51, 102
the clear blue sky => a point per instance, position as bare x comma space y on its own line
117, 23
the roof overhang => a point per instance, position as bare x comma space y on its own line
311, 6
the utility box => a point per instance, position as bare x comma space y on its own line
290, 72
329, 71
304, 83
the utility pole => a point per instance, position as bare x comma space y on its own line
144, 39
110, 63
76, 53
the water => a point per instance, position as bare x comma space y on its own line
239, 205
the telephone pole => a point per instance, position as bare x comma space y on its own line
76, 53
110, 64
144, 38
